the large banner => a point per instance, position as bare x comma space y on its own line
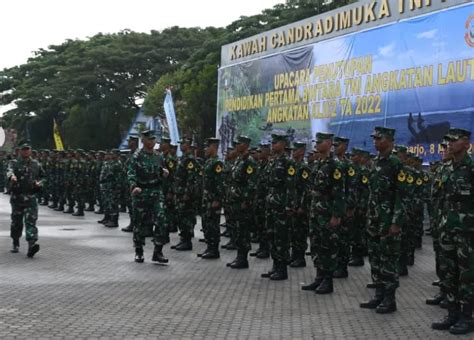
416, 76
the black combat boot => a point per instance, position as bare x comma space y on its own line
211, 253
112, 222
326, 286
298, 260
139, 255
44, 201
356, 261
411, 259
241, 261
53, 205
69, 210
375, 301
16, 246
128, 229
100, 211
341, 273
79, 212
317, 281
388, 304
270, 272
90, 207
184, 245
436, 283
464, 324
158, 255
281, 272
60, 207
444, 303
264, 253
436, 300
373, 285
123, 208
105, 219
33, 248
449, 320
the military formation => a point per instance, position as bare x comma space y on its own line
335, 206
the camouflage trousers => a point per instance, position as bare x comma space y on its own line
210, 224
260, 228
148, 205
241, 231
186, 217
344, 242
407, 242
357, 231
110, 201
24, 211
324, 242
279, 228
457, 266
299, 234
384, 253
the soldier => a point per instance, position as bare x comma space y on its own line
110, 181
457, 235
242, 194
26, 179
213, 194
145, 176
385, 218
327, 209
184, 191
133, 146
69, 169
78, 181
300, 220
3, 167
230, 159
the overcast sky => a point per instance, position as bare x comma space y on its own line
27, 25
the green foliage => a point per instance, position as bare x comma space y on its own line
91, 87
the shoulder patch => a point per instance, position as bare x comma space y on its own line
365, 180
249, 170
170, 164
190, 165
218, 168
291, 170
337, 174
426, 178
410, 179
419, 181
305, 174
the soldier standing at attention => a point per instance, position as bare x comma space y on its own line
25, 176
327, 209
457, 235
242, 194
133, 146
213, 195
385, 218
145, 176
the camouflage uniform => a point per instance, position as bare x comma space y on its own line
110, 185
24, 199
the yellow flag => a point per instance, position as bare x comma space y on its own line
57, 136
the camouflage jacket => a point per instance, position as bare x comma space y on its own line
213, 181
244, 180
145, 170
27, 173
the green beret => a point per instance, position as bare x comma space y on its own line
243, 140
165, 140
339, 140
213, 141
148, 134
322, 136
299, 145
455, 134
279, 138
380, 132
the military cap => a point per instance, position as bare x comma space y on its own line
253, 149
400, 148
243, 140
279, 138
230, 148
322, 136
132, 138
213, 140
25, 144
455, 134
289, 148
381, 132
186, 140
165, 140
148, 134
338, 140
115, 151
299, 145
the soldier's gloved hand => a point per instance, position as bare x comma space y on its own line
394, 230
334, 222
13, 179
136, 191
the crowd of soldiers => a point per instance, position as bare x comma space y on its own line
348, 205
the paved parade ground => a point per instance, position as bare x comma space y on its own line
84, 284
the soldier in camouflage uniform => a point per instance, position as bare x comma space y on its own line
457, 235
133, 146
385, 219
327, 210
78, 181
110, 181
53, 182
45, 162
361, 187
98, 195
184, 192
230, 159
69, 169
300, 215
145, 176
26, 178
3, 167
213, 195
242, 195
